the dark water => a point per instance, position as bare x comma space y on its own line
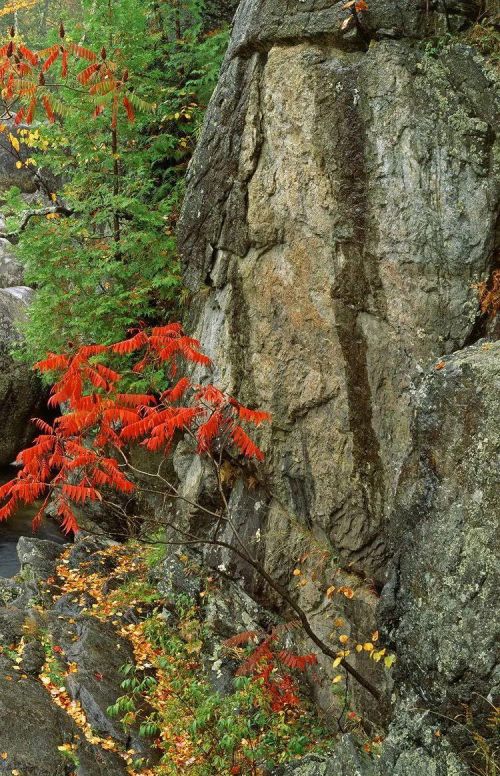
20, 525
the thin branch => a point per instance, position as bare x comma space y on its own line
191, 539
14, 237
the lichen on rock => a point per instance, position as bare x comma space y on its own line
341, 208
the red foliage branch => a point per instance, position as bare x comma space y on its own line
72, 459
23, 78
266, 660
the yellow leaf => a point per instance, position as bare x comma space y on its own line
4, 755
337, 662
53, 197
339, 622
389, 661
14, 142
330, 591
19, 165
297, 572
344, 638
368, 646
337, 679
3, 127
375, 635
359, 647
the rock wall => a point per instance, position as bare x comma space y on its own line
21, 393
341, 207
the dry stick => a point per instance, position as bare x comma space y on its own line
14, 237
245, 555
191, 539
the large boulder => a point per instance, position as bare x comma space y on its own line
341, 208
38, 737
21, 393
11, 272
346, 760
34, 732
38, 557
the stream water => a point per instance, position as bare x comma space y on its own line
20, 525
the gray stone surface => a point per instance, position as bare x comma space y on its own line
346, 760
171, 579
332, 233
21, 394
98, 653
440, 606
29, 720
38, 557
11, 625
264, 23
341, 206
11, 272
33, 658
31, 744
87, 551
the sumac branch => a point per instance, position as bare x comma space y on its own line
83, 454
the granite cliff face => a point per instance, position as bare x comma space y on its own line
341, 207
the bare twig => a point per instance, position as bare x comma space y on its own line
15, 236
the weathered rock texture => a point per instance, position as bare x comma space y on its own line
441, 600
32, 726
341, 206
20, 390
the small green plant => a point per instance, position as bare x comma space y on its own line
200, 729
68, 753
